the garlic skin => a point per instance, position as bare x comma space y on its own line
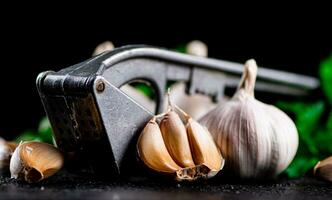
323, 169
35, 161
6, 151
257, 140
173, 143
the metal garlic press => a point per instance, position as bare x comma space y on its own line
95, 121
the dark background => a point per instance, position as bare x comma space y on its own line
37, 41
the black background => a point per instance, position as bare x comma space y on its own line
51, 39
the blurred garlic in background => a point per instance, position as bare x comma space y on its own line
129, 90
6, 152
197, 48
102, 47
195, 105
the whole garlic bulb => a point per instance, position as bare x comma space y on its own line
255, 139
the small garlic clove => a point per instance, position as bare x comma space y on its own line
205, 151
152, 149
6, 151
323, 169
176, 139
35, 161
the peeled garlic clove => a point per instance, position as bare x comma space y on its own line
176, 139
205, 152
256, 139
6, 151
35, 161
152, 149
323, 169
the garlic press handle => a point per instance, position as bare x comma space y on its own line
202, 75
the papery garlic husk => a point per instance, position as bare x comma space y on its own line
6, 151
174, 143
35, 161
323, 169
257, 140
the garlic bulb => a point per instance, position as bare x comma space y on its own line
256, 139
174, 143
323, 169
6, 151
35, 161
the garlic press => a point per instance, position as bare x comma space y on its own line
95, 122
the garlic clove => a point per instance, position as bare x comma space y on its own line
176, 139
174, 143
205, 151
6, 151
35, 161
323, 169
152, 149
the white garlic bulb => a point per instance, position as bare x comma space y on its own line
257, 140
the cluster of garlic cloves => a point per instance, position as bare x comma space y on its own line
35, 161
257, 140
173, 143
